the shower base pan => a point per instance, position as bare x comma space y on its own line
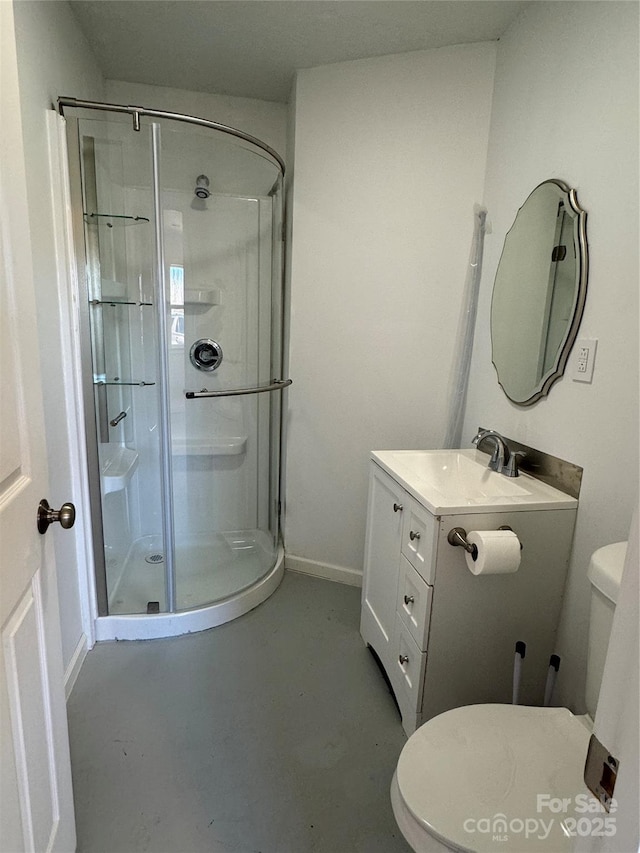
240, 581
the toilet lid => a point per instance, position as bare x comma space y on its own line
499, 777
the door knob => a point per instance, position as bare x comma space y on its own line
66, 515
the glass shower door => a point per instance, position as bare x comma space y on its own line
117, 198
219, 260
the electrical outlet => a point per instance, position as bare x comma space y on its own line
584, 355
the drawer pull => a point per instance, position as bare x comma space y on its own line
409, 599
397, 507
403, 659
413, 535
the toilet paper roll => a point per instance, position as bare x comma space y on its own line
498, 552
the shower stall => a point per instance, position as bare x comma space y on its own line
178, 226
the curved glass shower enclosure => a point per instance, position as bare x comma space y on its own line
179, 233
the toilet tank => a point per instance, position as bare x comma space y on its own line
605, 572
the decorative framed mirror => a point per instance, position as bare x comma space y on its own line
539, 292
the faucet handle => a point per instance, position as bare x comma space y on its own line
512, 469
476, 438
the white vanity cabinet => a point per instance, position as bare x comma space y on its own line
398, 585
444, 636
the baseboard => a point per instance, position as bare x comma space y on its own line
75, 664
340, 574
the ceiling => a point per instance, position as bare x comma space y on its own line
251, 48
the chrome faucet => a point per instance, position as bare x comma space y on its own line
500, 456
503, 459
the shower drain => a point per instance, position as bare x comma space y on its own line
154, 558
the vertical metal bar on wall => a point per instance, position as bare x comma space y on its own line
163, 375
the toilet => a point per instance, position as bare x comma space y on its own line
509, 777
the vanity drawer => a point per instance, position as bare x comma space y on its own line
418, 539
408, 666
414, 603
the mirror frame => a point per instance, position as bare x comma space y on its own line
580, 295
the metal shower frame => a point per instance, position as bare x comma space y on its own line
138, 112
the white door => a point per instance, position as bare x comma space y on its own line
35, 775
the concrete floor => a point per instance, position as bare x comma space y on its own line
274, 733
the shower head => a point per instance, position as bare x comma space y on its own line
202, 187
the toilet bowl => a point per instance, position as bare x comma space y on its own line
508, 777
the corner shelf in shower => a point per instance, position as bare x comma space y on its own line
114, 292
223, 446
120, 219
116, 301
117, 466
97, 380
201, 297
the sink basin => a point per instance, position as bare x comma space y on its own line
453, 474
459, 481
117, 465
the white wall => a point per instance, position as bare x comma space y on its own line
390, 157
53, 59
566, 106
265, 119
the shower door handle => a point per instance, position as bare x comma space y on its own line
276, 385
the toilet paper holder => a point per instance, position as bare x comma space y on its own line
458, 536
